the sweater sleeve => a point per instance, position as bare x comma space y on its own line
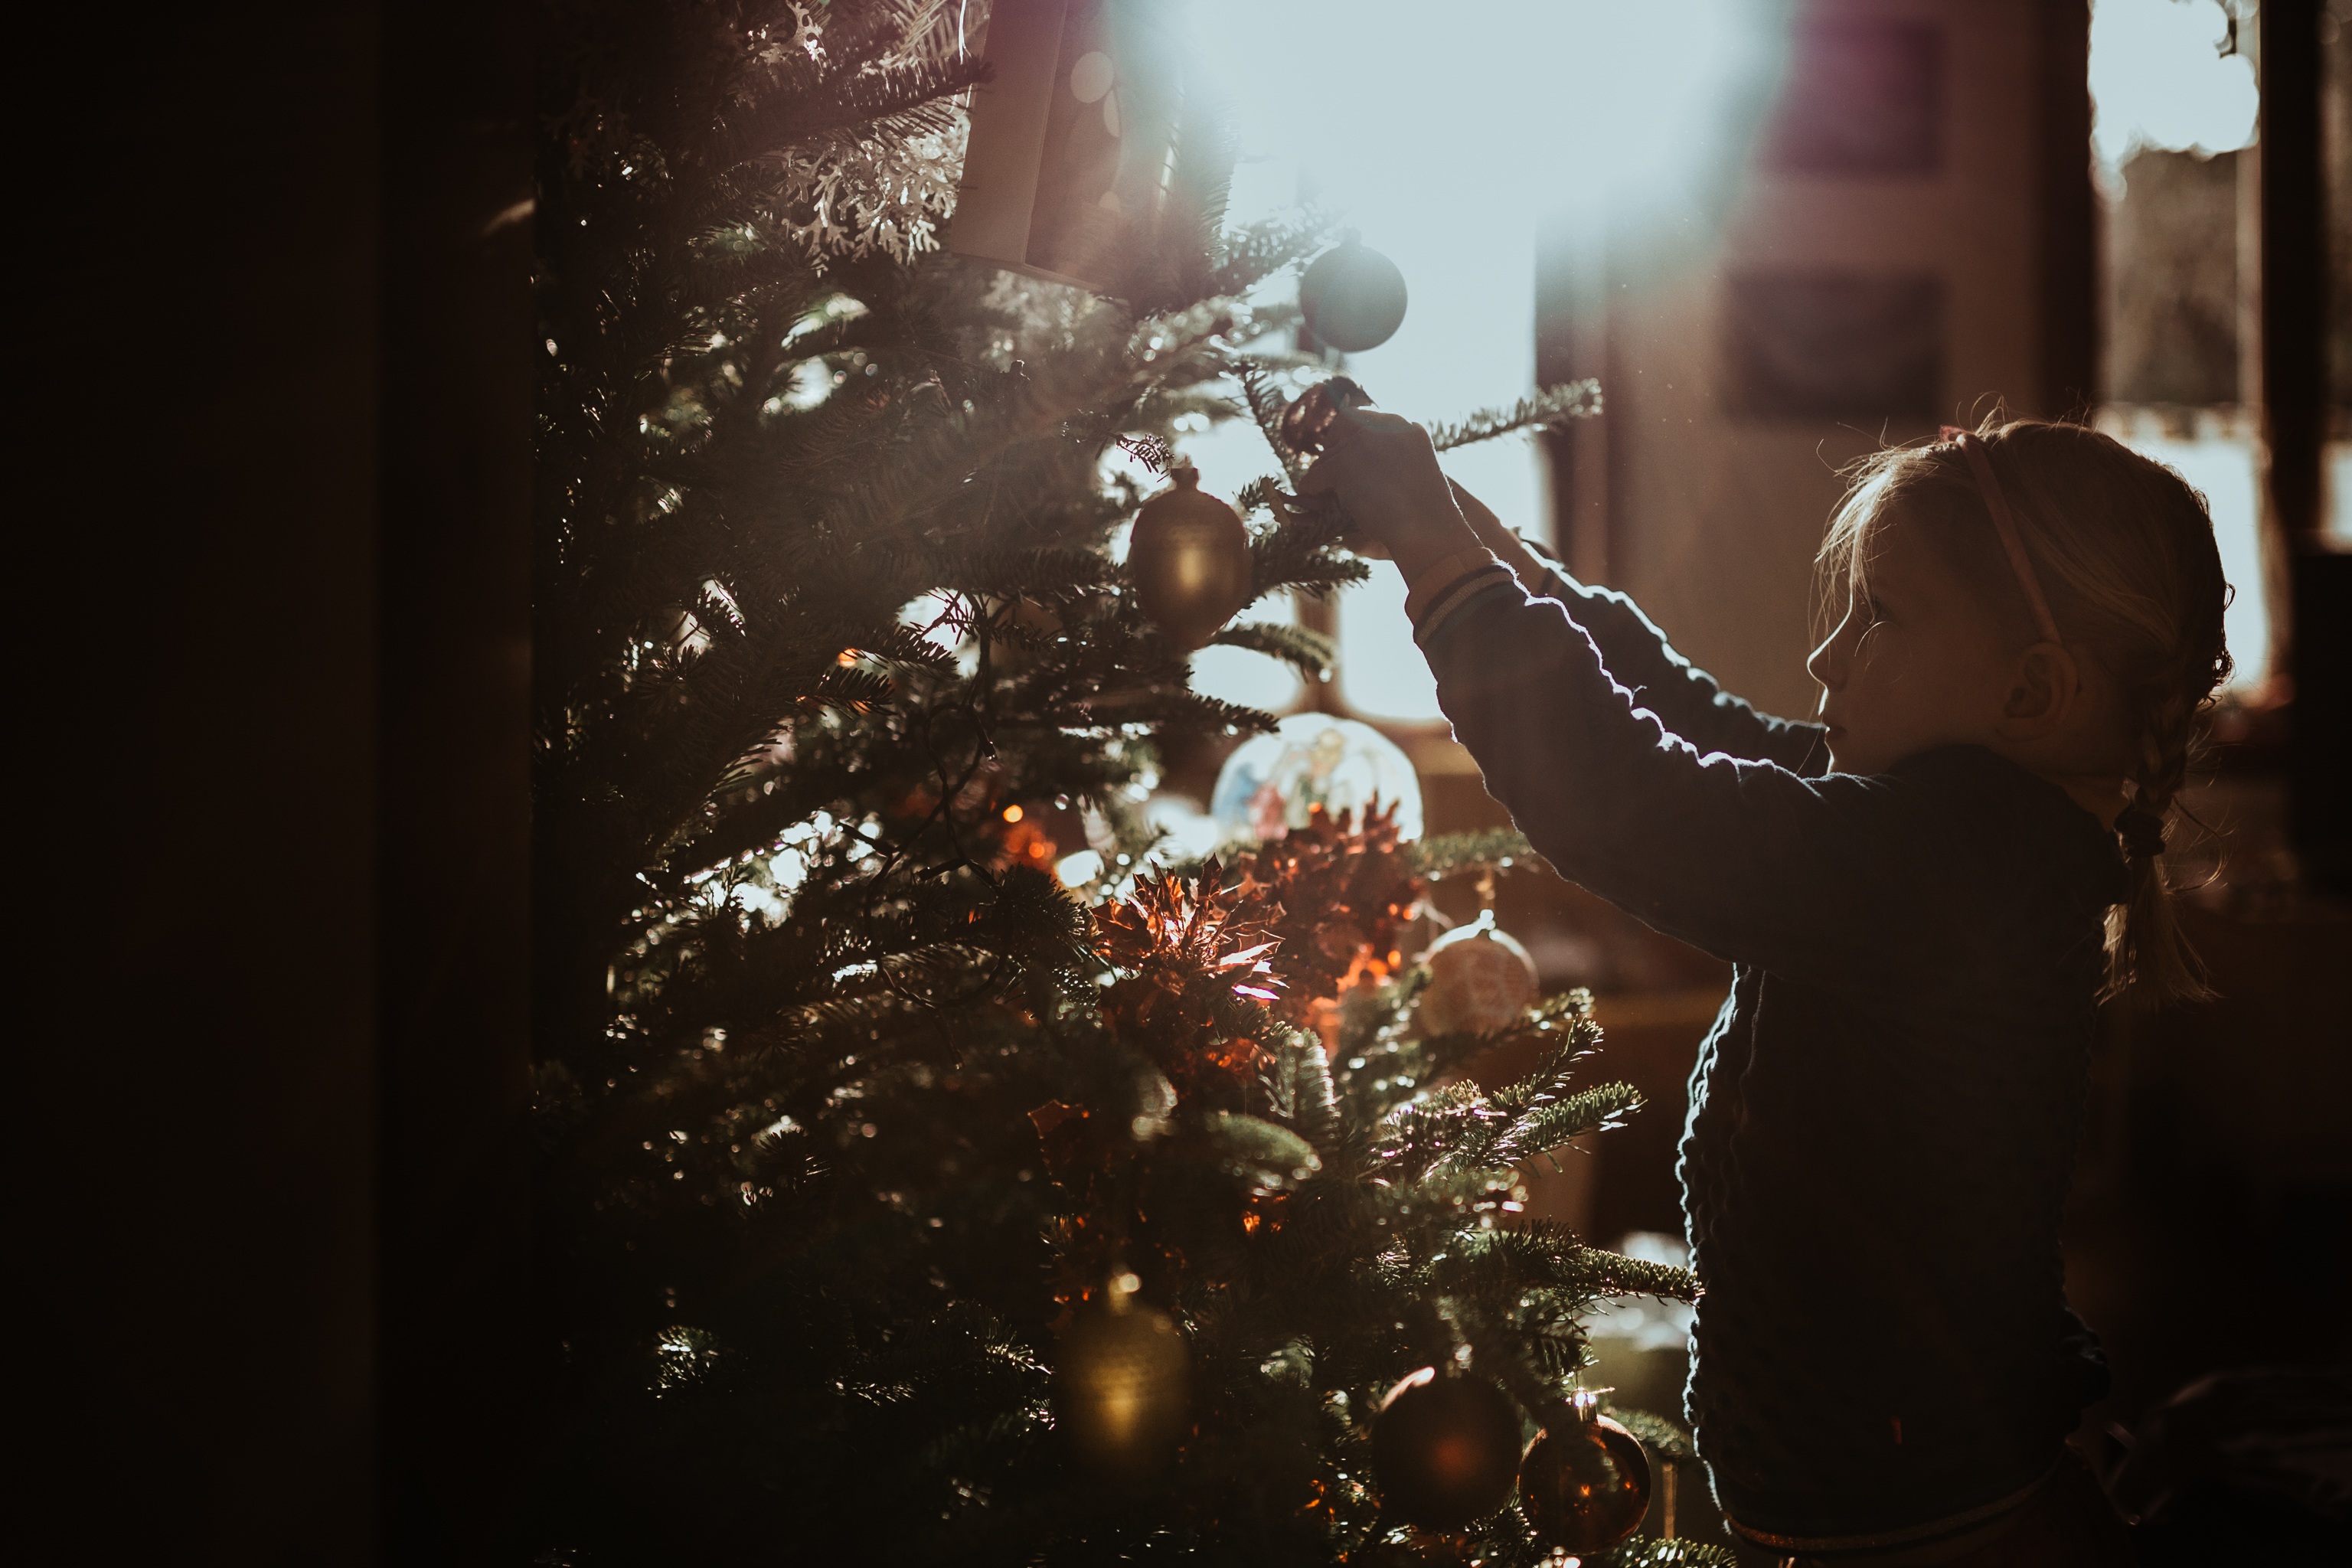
1819, 876
1685, 697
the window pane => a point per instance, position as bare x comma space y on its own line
2339, 494
2216, 452
1381, 673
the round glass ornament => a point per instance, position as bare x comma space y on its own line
1271, 782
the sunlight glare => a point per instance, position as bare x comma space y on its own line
1445, 137
2159, 79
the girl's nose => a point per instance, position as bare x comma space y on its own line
1825, 666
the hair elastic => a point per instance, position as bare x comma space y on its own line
1972, 446
2142, 832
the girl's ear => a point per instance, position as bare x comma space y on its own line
2045, 690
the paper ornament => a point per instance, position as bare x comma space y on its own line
1480, 979
1077, 146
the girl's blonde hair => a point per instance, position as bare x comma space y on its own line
2124, 549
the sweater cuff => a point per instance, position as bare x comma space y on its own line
1451, 592
1432, 580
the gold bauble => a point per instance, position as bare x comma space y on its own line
1584, 1484
1119, 1394
1189, 560
1479, 979
1445, 1449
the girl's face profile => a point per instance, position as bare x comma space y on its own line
1914, 664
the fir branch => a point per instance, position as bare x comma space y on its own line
1459, 1130
851, 686
1576, 400
1043, 573
1310, 652
1499, 1264
1647, 1552
1655, 1433
1303, 554
1267, 247
1427, 1135
1438, 1202
1447, 854
1260, 1151
1565, 1023
1546, 1126
1298, 1079
1161, 708
879, 100
1261, 494
907, 649
1566, 1018
1542, 1255
1613, 1274
1267, 405
1536, 1134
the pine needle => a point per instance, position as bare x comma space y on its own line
1576, 400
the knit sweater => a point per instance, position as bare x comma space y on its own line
1883, 1118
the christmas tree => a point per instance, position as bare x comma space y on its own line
896, 1199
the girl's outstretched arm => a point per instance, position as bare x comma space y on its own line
1687, 697
1690, 702
1838, 880
1823, 878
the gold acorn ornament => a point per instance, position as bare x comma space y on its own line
1584, 1484
1445, 1449
1190, 561
1120, 1390
1480, 979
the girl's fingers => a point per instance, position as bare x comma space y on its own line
1327, 471
1352, 422
1349, 426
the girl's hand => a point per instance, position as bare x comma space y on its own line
1384, 473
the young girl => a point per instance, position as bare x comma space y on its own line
1925, 896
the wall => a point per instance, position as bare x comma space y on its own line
211, 423
1709, 515
284, 458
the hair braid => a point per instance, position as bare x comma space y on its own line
2166, 745
2144, 926
2145, 944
